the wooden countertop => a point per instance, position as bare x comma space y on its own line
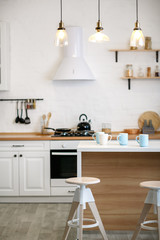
36, 137
41, 137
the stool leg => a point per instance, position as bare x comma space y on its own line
81, 222
159, 221
70, 217
144, 213
97, 217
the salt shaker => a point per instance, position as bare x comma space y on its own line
157, 73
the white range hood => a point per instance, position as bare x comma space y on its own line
73, 66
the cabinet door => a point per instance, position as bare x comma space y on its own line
9, 177
34, 173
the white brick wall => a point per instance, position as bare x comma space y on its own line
34, 59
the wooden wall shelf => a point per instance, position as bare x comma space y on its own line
138, 50
129, 79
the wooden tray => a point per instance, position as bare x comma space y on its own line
149, 116
132, 131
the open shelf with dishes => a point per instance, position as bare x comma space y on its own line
130, 78
137, 50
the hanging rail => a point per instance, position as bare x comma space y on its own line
21, 99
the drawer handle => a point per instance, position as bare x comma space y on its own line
21, 155
17, 145
69, 191
15, 155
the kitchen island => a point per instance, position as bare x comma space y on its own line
120, 169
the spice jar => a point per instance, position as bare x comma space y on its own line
27, 104
129, 70
148, 43
148, 71
157, 72
34, 104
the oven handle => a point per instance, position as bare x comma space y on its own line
64, 154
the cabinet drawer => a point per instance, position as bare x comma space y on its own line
24, 145
63, 191
64, 144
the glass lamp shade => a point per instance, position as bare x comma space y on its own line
61, 38
137, 39
98, 37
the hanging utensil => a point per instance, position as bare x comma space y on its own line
21, 120
27, 119
17, 118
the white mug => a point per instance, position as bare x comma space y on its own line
97, 134
104, 138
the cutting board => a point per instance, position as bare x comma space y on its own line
149, 116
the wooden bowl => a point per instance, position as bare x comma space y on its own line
132, 131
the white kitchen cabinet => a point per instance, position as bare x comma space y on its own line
4, 56
34, 173
9, 179
24, 168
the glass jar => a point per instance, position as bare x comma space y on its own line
129, 70
140, 72
148, 43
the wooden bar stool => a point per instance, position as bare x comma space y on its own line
82, 196
153, 198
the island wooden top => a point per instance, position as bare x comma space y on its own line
43, 137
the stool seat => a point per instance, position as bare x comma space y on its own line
83, 180
151, 184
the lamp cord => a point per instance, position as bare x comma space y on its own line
98, 10
137, 10
61, 9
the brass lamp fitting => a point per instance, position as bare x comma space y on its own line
61, 26
137, 26
99, 26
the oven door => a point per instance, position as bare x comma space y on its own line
63, 165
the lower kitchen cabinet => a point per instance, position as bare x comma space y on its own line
34, 174
9, 174
25, 171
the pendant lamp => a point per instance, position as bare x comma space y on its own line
98, 36
137, 38
61, 34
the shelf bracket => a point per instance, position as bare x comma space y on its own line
129, 83
116, 56
157, 56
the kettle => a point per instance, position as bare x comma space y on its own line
84, 124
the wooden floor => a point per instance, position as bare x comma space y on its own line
47, 222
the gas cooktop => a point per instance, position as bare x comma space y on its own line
72, 133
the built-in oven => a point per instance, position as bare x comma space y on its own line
63, 165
